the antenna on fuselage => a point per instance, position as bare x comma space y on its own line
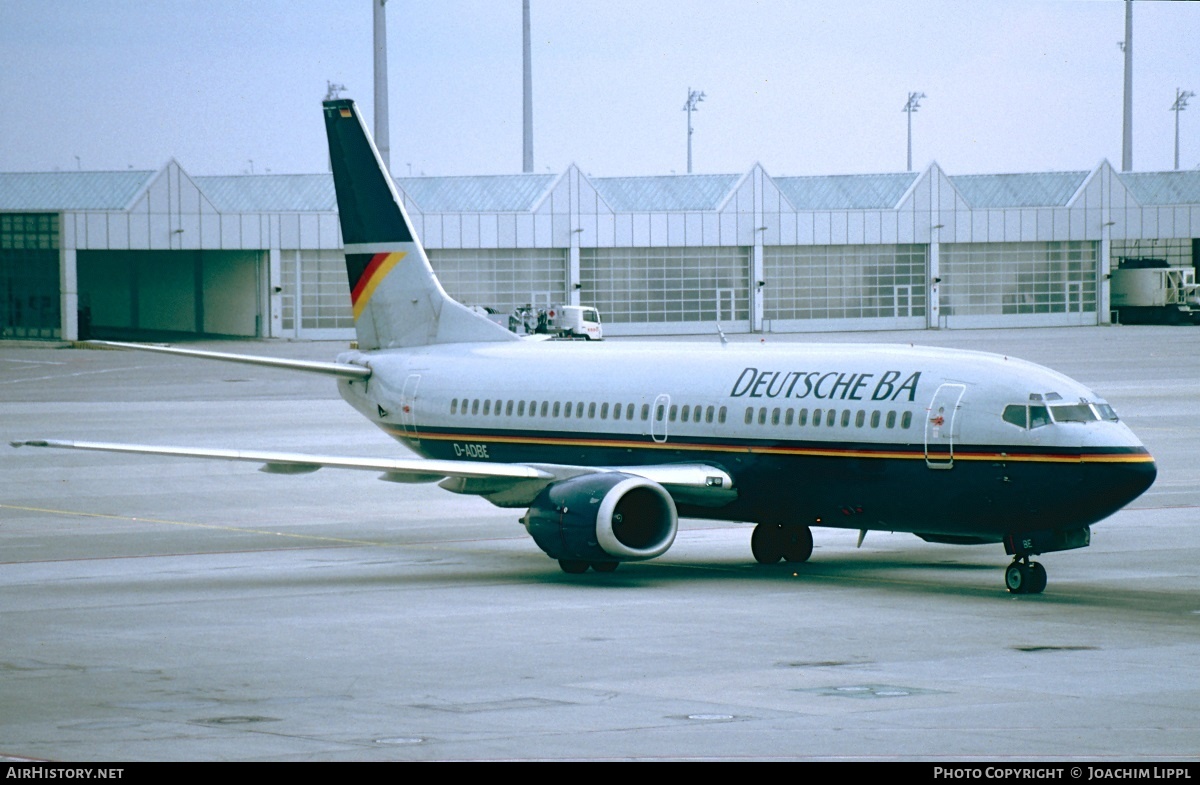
720, 332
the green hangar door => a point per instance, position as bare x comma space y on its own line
169, 294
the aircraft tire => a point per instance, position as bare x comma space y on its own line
573, 566
605, 566
797, 541
1037, 578
766, 543
1017, 578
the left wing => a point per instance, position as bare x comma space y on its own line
503, 484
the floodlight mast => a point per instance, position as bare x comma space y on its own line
694, 97
914, 103
1181, 99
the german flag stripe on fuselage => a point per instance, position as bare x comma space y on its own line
995, 453
373, 273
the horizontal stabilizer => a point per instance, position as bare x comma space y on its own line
342, 370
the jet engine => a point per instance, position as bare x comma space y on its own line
604, 517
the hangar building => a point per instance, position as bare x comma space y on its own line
163, 254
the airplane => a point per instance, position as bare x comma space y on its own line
956, 447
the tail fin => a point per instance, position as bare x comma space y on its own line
398, 301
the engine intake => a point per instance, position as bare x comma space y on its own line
605, 516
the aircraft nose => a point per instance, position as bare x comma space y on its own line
1132, 480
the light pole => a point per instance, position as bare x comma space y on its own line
1181, 99
694, 97
914, 102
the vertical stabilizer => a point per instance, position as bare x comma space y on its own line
397, 300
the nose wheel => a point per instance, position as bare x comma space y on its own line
1025, 577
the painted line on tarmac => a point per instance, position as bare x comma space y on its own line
218, 527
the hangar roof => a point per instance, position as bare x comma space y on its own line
1040, 189
1164, 187
75, 190
666, 193
476, 194
846, 192
53, 191
270, 192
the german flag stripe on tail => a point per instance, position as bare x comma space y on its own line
373, 273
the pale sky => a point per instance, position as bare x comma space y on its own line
812, 87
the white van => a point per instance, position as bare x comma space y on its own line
575, 321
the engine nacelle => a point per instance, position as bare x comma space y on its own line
608, 516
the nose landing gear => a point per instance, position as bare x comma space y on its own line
1025, 577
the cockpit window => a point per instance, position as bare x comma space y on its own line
1032, 416
1037, 413
1017, 415
1073, 412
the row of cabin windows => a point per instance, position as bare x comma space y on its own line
578, 410
826, 417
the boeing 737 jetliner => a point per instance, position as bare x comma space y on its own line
953, 446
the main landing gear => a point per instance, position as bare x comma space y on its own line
578, 566
1025, 577
791, 542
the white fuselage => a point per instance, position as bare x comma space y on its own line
909, 431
